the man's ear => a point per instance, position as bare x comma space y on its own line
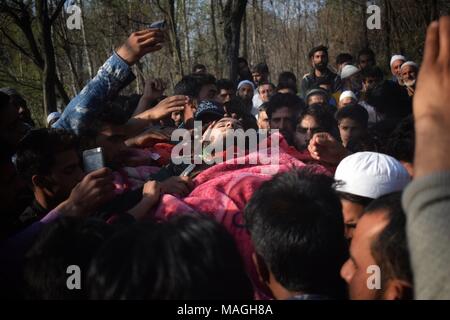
40, 181
261, 268
398, 290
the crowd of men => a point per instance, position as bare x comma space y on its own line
356, 210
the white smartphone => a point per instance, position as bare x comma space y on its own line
93, 159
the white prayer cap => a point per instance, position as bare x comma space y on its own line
347, 94
410, 63
397, 57
370, 175
348, 70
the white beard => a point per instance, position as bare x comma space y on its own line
409, 83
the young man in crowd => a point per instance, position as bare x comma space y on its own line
188, 257
287, 80
296, 225
352, 123
48, 161
12, 127
318, 57
379, 254
260, 75
362, 177
263, 119
283, 110
315, 118
366, 58
21, 104
225, 90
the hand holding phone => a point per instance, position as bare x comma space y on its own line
93, 160
161, 25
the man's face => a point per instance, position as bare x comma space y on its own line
282, 119
259, 77
317, 98
395, 68
365, 61
112, 139
350, 129
346, 101
177, 117
12, 189
265, 92
305, 130
246, 93
222, 128
370, 83
224, 96
355, 270
409, 75
320, 60
263, 120
208, 92
12, 128
352, 212
65, 175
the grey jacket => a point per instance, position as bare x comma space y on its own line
427, 205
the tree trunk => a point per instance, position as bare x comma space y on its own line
187, 47
233, 13
244, 38
49, 72
218, 69
85, 45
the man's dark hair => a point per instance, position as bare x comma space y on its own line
355, 112
390, 248
186, 258
261, 68
287, 80
296, 226
198, 66
367, 52
323, 117
363, 201
324, 80
37, 150
344, 57
225, 84
65, 242
280, 100
401, 143
192, 84
317, 49
372, 72
267, 83
242, 60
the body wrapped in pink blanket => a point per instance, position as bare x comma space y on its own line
223, 191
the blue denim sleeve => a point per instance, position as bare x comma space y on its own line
113, 76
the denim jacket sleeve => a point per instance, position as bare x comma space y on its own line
114, 75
